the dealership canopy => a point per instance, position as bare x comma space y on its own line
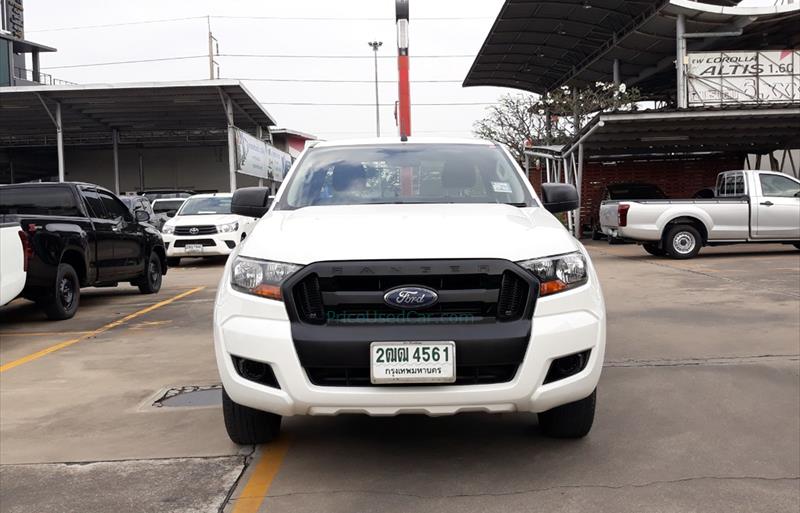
539, 45
146, 113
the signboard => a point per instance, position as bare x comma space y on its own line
14, 18
724, 78
254, 157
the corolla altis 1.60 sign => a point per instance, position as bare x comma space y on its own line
411, 297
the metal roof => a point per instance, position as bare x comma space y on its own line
743, 129
139, 111
24, 46
539, 45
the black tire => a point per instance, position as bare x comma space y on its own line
248, 426
596, 234
174, 261
150, 282
572, 420
682, 241
654, 249
62, 301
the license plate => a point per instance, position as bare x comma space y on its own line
194, 248
412, 362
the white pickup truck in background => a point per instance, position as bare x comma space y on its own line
14, 252
749, 207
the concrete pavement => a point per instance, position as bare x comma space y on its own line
698, 410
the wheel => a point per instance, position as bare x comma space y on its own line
62, 302
150, 283
174, 261
572, 420
683, 241
248, 426
654, 249
596, 233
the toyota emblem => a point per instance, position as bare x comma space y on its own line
194, 230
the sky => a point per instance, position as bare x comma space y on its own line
454, 28
252, 35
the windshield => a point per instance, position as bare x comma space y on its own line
204, 206
422, 173
166, 205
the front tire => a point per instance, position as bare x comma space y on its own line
654, 249
150, 282
571, 420
62, 301
248, 426
683, 241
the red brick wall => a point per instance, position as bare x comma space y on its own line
677, 178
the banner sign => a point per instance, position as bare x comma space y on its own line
724, 78
255, 157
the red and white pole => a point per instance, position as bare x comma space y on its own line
404, 87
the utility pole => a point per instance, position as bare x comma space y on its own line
404, 107
375, 45
212, 45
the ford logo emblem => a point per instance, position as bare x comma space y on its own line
194, 230
411, 297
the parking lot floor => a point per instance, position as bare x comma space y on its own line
698, 410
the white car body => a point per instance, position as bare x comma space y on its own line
747, 214
182, 240
260, 329
12, 262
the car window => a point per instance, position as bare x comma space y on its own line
39, 200
114, 207
778, 186
203, 206
161, 206
93, 203
731, 184
413, 173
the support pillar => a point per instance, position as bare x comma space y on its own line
617, 79
115, 139
578, 184
680, 56
60, 142
36, 76
231, 144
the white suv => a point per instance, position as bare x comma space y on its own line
392, 277
204, 226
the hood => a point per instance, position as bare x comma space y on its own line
397, 232
205, 219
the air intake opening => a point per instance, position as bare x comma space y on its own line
258, 372
567, 366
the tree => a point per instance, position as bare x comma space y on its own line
518, 120
512, 121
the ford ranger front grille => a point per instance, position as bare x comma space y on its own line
469, 292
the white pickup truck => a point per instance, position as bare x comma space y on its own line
14, 253
748, 207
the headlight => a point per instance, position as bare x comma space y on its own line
558, 273
226, 228
260, 277
169, 230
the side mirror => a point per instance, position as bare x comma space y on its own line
251, 201
171, 213
559, 197
142, 216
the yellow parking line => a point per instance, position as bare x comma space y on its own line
257, 486
88, 334
40, 333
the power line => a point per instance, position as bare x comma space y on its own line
322, 104
247, 56
260, 18
122, 24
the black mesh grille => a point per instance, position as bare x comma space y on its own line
203, 242
308, 300
359, 376
513, 295
201, 230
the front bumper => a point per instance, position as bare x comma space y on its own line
213, 245
259, 329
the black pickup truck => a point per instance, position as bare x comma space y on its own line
81, 235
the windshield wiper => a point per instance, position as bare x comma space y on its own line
521, 204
